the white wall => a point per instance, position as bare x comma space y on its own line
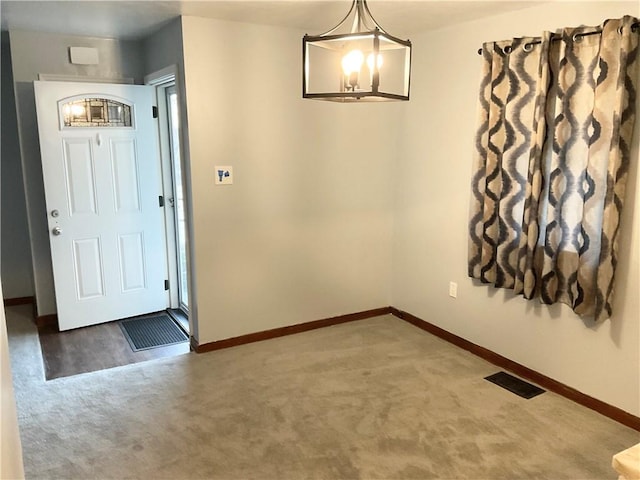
305, 231
33, 53
11, 466
432, 199
14, 232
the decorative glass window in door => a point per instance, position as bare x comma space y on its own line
96, 112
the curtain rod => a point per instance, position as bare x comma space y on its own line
635, 27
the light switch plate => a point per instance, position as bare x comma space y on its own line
223, 175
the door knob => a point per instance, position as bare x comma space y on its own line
56, 231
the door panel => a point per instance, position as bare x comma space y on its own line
132, 264
102, 185
80, 176
125, 175
88, 268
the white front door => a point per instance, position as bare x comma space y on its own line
102, 182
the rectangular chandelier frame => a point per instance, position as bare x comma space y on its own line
380, 43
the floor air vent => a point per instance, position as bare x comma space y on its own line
515, 385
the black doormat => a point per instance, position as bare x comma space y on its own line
515, 385
151, 332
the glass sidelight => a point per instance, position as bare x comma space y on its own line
179, 204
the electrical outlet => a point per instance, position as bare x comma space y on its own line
453, 289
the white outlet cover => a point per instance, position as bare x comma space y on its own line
453, 289
223, 175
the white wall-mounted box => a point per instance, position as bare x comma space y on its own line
83, 55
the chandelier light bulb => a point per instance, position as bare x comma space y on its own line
352, 62
351, 65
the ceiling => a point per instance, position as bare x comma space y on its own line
135, 19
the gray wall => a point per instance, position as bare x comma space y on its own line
164, 48
15, 248
34, 53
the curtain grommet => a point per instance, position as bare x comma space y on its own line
508, 49
620, 29
577, 37
527, 47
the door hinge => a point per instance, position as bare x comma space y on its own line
154, 111
166, 284
161, 200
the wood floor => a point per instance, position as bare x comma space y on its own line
94, 348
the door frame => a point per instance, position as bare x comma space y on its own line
161, 80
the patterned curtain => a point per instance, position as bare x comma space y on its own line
555, 123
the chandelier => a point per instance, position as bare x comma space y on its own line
358, 64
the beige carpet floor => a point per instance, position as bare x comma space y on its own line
373, 399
